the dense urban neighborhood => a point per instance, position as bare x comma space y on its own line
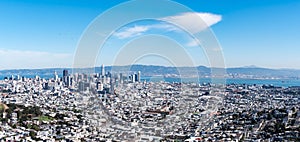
122, 107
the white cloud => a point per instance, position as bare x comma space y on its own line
16, 59
164, 26
194, 21
130, 32
193, 43
140, 29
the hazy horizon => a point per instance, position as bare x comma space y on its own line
99, 66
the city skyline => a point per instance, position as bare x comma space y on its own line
149, 70
256, 33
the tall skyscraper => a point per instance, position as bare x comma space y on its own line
121, 78
55, 76
139, 76
136, 77
65, 73
68, 81
65, 77
133, 78
102, 70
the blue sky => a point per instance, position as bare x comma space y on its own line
45, 33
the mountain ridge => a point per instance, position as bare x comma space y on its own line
150, 70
